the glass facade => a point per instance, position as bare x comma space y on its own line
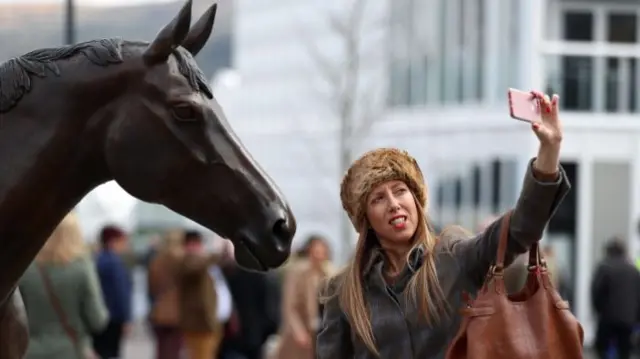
595, 60
468, 198
442, 51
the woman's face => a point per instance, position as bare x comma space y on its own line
392, 212
318, 251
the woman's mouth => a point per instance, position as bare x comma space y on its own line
398, 222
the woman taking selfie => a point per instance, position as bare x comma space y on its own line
400, 295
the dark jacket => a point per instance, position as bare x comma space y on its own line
255, 298
116, 285
615, 291
461, 265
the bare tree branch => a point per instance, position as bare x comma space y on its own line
324, 64
370, 114
356, 107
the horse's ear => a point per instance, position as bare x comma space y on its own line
200, 32
170, 37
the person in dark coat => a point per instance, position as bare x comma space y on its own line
117, 291
256, 312
615, 295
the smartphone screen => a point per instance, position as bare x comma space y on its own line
523, 106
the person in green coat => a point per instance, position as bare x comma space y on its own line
62, 297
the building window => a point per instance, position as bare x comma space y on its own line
578, 26
457, 193
632, 85
496, 170
476, 186
471, 53
613, 71
399, 83
621, 93
479, 71
596, 78
440, 195
408, 60
622, 28
577, 82
441, 56
418, 80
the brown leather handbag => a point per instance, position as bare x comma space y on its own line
534, 323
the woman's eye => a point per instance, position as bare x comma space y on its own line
184, 113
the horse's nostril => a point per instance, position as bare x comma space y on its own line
280, 228
283, 232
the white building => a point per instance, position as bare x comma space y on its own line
447, 65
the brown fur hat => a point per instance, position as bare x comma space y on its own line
373, 168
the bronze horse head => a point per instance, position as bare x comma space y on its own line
139, 113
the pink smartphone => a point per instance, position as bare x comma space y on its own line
523, 106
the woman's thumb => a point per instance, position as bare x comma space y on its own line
535, 127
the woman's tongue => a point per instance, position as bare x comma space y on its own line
398, 223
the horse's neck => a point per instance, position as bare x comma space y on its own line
44, 174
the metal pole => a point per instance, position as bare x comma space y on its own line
70, 30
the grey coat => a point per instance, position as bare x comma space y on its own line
461, 264
77, 287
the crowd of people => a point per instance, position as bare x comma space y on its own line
202, 305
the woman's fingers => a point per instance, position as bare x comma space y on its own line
537, 94
554, 104
545, 104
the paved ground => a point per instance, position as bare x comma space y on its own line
139, 345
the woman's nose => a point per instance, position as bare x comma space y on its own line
394, 205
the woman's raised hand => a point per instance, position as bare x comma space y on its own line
549, 130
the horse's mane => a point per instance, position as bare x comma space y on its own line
15, 74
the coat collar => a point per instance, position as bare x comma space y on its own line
414, 259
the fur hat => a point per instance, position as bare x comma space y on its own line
373, 168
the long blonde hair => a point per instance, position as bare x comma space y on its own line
65, 243
423, 289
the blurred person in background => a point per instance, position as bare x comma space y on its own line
197, 299
117, 290
154, 244
549, 256
62, 297
255, 306
558, 277
162, 288
225, 307
615, 296
300, 305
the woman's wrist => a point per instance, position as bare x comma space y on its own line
548, 160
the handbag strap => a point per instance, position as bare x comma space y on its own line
55, 302
535, 257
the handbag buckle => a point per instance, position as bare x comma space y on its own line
496, 270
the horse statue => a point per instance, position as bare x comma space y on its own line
142, 114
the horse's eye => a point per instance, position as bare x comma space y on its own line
184, 113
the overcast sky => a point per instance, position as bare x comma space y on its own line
87, 2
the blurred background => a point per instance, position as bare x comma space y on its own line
309, 85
